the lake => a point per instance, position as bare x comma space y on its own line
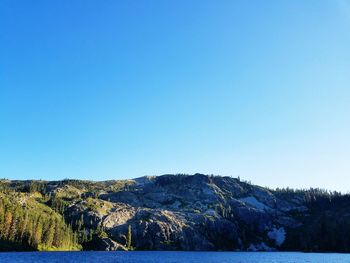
173, 257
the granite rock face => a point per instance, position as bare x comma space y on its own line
105, 244
191, 212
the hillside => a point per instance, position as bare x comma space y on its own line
170, 212
28, 224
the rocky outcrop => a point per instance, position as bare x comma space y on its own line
106, 244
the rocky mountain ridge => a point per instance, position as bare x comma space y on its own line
194, 212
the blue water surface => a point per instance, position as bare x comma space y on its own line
172, 257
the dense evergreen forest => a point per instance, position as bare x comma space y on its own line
26, 223
170, 212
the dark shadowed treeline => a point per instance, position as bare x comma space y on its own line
326, 226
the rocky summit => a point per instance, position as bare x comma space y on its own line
170, 212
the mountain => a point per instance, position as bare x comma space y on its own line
170, 212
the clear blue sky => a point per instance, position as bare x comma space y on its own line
121, 89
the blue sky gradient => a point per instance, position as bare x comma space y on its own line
120, 89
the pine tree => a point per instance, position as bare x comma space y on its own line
38, 232
7, 225
49, 234
128, 238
